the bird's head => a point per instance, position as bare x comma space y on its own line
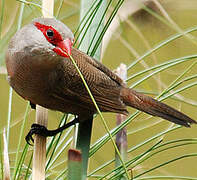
43, 37
57, 35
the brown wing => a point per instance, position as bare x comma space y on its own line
103, 83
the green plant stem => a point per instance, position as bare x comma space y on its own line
59, 8
162, 44
171, 24
99, 25
102, 118
89, 18
84, 17
167, 177
168, 64
113, 132
21, 160
28, 167
166, 163
100, 168
54, 143
172, 85
9, 113
87, 27
17, 164
176, 61
10, 96
106, 27
84, 132
74, 165
1, 16
1, 160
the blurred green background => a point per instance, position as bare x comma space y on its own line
132, 37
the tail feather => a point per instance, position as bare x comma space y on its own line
153, 107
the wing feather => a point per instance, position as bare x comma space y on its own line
103, 83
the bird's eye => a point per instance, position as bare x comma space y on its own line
50, 33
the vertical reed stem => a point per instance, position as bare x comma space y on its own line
39, 157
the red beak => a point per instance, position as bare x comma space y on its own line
64, 48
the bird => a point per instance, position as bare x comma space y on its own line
40, 70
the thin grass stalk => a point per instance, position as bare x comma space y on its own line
144, 156
97, 145
153, 138
86, 16
168, 21
104, 123
17, 163
181, 82
100, 168
120, 170
39, 7
162, 44
11, 91
21, 161
51, 165
118, 5
166, 163
6, 158
191, 141
65, 144
179, 90
167, 177
59, 8
113, 132
177, 61
49, 146
84, 137
98, 27
1, 160
1, 16
9, 113
28, 167
87, 27
170, 87
55, 143
39, 157
148, 156
100, 114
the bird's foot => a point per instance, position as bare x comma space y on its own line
43, 131
36, 129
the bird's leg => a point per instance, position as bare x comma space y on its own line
43, 131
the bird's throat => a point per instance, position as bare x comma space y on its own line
60, 52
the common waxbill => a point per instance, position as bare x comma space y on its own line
40, 71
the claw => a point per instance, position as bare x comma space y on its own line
43, 131
35, 129
29, 138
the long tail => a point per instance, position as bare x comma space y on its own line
153, 107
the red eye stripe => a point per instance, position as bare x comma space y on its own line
55, 39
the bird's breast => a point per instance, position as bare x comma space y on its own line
28, 78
